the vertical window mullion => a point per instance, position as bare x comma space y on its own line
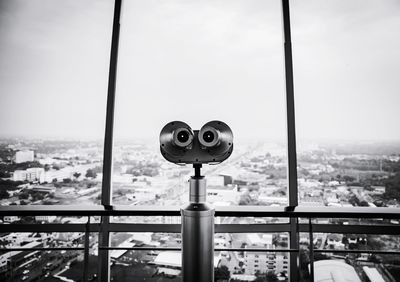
106, 192
291, 138
291, 129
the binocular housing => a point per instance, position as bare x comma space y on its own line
212, 144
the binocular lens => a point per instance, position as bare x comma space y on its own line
208, 136
183, 136
212, 144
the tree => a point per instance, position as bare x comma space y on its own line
271, 277
4, 194
90, 173
348, 178
67, 180
77, 175
222, 273
260, 277
37, 196
354, 200
4, 174
393, 187
23, 196
245, 200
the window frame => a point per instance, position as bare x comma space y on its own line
293, 212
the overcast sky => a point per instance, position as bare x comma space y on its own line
200, 60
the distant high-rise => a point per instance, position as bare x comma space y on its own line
24, 156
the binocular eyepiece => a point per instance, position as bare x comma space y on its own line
179, 144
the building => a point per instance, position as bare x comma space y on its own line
30, 174
243, 277
264, 262
3, 263
142, 194
10, 218
58, 175
44, 189
378, 190
219, 180
170, 263
45, 218
116, 254
269, 200
334, 271
24, 156
373, 274
312, 201
171, 219
88, 191
334, 241
16, 260
20, 175
228, 194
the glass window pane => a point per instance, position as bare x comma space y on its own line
65, 261
200, 61
352, 254
238, 265
53, 83
346, 60
140, 266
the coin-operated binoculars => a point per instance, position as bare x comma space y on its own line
212, 144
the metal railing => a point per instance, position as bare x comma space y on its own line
296, 213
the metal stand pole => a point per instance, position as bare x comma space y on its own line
197, 233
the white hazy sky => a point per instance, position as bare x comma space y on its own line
200, 60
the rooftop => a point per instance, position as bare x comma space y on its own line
334, 271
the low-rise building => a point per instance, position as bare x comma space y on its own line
24, 156
15, 260
44, 189
264, 262
228, 194
45, 218
30, 174
334, 271
10, 218
169, 263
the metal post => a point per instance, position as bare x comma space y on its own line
311, 238
294, 244
106, 195
197, 234
106, 192
86, 252
291, 137
104, 256
291, 128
